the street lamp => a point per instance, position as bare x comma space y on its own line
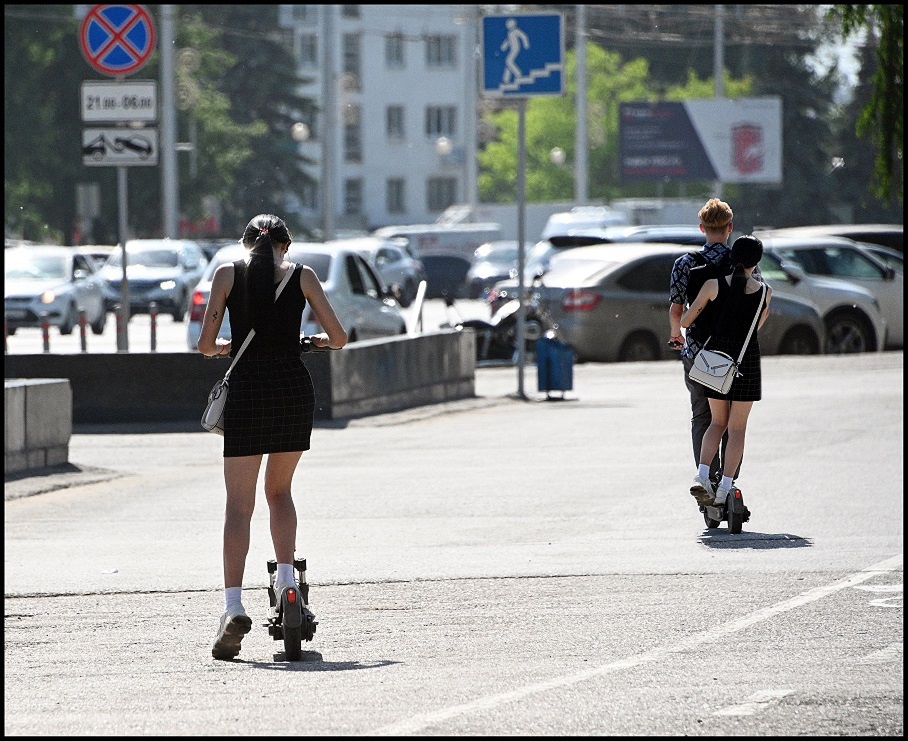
558, 156
443, 146
300, 132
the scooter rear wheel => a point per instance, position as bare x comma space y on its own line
735, 508
293, 643
709, 521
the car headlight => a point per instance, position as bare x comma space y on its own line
168, 285
48, 297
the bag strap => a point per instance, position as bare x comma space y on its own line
251, 334
753, 324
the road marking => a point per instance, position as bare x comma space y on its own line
419, 722
888, 655
755, 702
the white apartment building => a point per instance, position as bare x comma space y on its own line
396, 85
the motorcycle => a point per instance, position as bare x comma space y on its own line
496, 339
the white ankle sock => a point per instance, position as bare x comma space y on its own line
704, 471
231, 595
285, 573
726, 483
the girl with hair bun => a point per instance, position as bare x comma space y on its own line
270, 408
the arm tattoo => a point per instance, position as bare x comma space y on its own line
214, 315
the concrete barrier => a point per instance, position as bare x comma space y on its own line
365, 378
39, 423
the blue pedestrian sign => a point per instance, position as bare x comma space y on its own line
523, 55
117, 39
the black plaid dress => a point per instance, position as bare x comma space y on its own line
271, 401
729, 338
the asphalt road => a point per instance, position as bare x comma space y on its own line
493, 566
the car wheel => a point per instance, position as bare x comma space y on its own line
800, 341
68, 323
847, 332
180, 312
97, 327
639, 346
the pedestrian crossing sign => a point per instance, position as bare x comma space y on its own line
523, 55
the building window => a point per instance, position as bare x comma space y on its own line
307, 14
440, 51
353, 196
441, 121
394, 51
442, 192
394, 123
352, 72
308, 195
350, 11
308, 50
353, 135
395, 193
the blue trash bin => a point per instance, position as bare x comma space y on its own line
554, 365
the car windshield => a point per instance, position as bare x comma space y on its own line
318, 261
147, 258
35, 266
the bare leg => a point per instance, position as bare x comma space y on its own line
737, 427
718, 409
278, 477
240, 476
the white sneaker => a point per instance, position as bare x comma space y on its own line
702, 490
720, 496
235, 623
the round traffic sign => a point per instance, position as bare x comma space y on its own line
117, 39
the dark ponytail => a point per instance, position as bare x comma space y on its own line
262, 233
745, 253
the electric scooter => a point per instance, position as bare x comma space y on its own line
289, 617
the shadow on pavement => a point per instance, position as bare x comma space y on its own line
754, 541
312, 661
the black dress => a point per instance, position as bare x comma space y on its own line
271, 400
729, 335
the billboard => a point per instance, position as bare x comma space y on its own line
733, 141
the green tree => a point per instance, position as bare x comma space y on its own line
882, 118
263, 89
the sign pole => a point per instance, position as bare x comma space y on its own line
521, 229
122, 327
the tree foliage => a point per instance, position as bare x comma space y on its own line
882, 117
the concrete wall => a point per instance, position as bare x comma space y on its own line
364, 378
39, 423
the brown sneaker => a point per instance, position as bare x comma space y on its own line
702, 491
235, 623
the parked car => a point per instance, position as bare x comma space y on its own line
51, 280
610, 303
363, 304
845, 259
852, 315
492, 262
164, 271
887, 235
393, 263
564, 222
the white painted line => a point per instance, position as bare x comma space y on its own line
418, 722
889, 655
755, 702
